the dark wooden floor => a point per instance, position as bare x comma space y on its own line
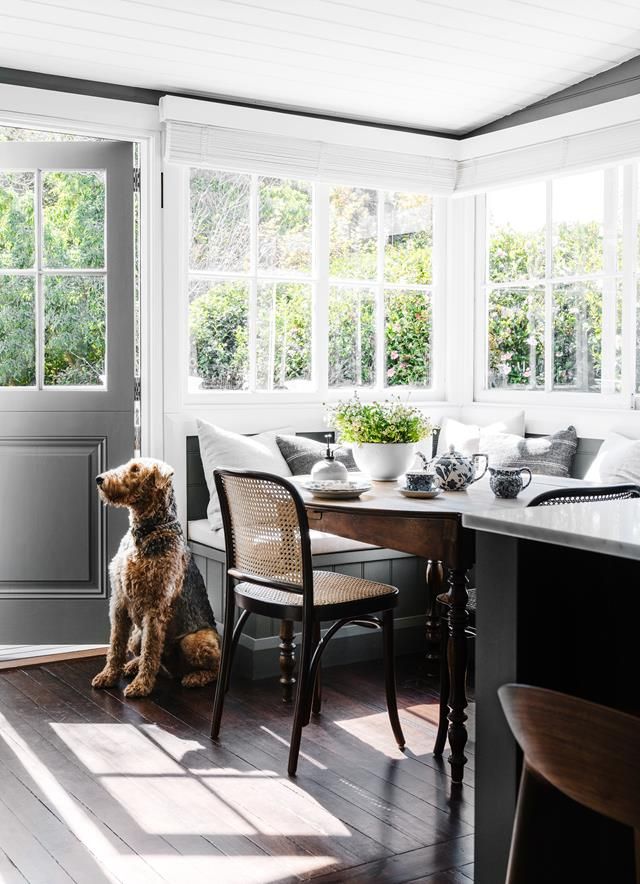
96, 789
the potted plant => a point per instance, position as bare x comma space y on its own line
384, 435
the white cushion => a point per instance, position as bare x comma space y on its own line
467, 438
223, 449
321, 544
617, 461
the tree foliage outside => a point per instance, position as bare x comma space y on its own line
73, 207
218, 309
516, 320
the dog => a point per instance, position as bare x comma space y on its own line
159, 608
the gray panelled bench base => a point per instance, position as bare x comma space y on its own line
258, 655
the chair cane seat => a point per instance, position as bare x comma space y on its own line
329, 588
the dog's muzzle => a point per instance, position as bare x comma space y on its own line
99, 480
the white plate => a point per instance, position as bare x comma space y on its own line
337, 490
424, 495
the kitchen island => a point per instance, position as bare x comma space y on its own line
558, 595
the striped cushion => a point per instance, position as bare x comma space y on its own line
301, 454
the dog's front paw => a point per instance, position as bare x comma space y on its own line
108, 678
131, 668
139, 687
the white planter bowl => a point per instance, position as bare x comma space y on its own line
384, 461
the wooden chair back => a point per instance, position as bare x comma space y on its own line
588, 752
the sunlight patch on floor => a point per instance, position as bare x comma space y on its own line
114, 865
303, 755
297, 812
137, 769
375, 731
175, 806
115, 749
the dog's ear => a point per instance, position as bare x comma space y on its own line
163, 474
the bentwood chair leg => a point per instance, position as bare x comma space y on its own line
316, 704
390, 677
229, 641
443, 720
237, 632
303, 697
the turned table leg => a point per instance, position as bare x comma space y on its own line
435, 586
287, 660
457, 653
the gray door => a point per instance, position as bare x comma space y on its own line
66, 382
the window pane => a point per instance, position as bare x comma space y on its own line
17, 331
578, 213
352, 337
283, 336
516, 338
220, 238
219, 334
284, 225
74, 331
17, 233
408, 237
73, 205
516, 220
353, 232
577, 336
407, 338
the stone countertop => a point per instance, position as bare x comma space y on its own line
608, 527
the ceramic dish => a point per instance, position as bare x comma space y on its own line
424, 495
337, 490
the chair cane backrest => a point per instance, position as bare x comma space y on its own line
558, 496
590, 753
266, 529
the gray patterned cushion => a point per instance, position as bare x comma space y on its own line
301, 454
547, 455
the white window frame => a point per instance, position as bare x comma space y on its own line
176, 203
629, 278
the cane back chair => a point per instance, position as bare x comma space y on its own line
269, 572
591, 754
553, 497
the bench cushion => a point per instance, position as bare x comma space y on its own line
321, 544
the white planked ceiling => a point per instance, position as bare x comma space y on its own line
443, 65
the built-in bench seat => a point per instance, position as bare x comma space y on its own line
257, 654
199, 531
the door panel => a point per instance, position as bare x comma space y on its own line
66, 383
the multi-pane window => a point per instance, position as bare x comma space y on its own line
52, 278
297, 286
554, 284
380, 302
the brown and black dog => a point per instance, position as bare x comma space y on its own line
159, 607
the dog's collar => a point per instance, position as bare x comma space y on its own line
144, 529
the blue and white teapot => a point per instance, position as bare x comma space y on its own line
455, 471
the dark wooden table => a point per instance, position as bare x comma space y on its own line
433, 530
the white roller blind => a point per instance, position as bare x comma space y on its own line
607, 146
241, 150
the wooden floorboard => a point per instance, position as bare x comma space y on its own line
98, 789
